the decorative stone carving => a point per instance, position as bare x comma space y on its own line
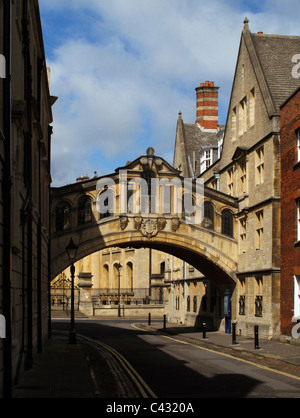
149, 227
175, 224
161, 224
123, 222
138, 222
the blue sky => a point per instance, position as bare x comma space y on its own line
123, 69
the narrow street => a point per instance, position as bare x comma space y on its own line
170, 368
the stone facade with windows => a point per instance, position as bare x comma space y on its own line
249, 170
25, 137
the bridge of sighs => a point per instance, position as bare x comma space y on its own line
147, 204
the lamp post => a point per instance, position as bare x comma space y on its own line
72, 251
119, 267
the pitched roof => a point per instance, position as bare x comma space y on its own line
272, 58
192, 140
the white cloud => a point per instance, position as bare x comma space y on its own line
122, 83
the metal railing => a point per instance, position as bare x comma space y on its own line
137, 296
61, 298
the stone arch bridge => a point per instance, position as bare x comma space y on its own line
96, 215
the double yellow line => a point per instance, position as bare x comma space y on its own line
142, 386
225, 355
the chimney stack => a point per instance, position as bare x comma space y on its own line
207, 105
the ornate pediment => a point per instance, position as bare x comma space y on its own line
150, 162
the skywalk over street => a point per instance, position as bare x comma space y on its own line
149, 202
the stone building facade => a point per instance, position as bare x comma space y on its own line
159, 249
147, 274
290, 213
249, 170
25, 134
241, 167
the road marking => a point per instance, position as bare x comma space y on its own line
229, 355
140, 383
92, 374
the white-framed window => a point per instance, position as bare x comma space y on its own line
298, 219
206, 159
220, 144
296, 297
298, 144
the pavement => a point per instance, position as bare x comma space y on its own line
64, 370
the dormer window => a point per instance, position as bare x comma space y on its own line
206, 159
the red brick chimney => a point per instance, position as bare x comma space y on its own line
207, 105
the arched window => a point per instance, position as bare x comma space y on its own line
84, 210
105, 204
195, 303
62, 217
105, 277
117, 279
227, 223
146, 195
188, 304
208, 220
129, 268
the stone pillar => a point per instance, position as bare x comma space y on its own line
85, 302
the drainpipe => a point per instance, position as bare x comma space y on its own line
28, 179
7, 356
40, 68
23, 218
217, 178
50, 130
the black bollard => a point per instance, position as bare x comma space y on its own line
256, 343
234, 333
204, 330
165, 320
149, 319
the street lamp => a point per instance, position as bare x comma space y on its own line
119, 267
72, 251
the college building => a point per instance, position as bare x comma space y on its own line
25, 138
240, 264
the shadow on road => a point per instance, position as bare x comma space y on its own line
168, 376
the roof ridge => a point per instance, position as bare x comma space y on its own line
274, 35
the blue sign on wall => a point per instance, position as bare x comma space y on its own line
227, 312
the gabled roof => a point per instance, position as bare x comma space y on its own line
191, 139
271, 57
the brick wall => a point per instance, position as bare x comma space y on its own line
290, 190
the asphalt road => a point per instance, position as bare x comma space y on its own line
177, 370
